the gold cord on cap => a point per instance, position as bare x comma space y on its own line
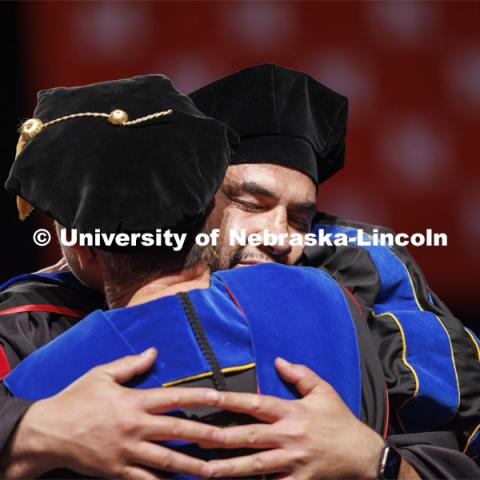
33, 126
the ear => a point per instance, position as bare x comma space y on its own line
86, 256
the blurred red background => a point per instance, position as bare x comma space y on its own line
410, 69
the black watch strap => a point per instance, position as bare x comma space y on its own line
390, 461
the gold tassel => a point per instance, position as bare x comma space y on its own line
23, 207
20, 145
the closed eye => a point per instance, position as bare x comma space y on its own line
299, 224
251, 207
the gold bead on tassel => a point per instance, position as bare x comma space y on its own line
31, 128
118, 117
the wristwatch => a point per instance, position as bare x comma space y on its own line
389, 466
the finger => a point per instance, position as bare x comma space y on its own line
163, 427
60, 266
125, 368
207, 445
158, 400
263, 407
246, 436
139, 473
163, 458
304, 379
271, 461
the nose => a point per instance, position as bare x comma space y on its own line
279, 252
278, 226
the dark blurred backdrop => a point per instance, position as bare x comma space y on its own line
410, 69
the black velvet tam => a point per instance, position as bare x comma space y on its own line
282, 116
88, 173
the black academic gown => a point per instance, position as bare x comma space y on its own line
33, 311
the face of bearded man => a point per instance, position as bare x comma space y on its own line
258, 197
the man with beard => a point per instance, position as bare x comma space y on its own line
429, 359
260, 195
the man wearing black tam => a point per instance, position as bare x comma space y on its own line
225, 330
123, 158
292, 132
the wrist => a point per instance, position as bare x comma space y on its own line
370, 461
30, 451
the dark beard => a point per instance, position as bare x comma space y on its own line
220, 262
